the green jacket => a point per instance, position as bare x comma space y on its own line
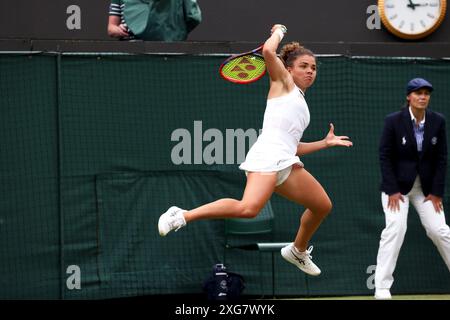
162, 20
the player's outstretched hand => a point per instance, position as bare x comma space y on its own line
332, 140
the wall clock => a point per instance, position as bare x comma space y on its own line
412, 19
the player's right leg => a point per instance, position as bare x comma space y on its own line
258, 191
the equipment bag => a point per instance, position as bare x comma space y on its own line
223, 285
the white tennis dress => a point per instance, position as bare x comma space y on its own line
285, 120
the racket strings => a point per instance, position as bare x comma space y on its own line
245, 68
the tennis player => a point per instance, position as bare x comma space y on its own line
413, 160
272, 163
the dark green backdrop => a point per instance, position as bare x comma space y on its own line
86, 169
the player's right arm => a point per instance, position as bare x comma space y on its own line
280, 81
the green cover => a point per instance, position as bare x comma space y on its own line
93, 148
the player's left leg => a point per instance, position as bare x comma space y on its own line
302, 188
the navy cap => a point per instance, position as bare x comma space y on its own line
416, 84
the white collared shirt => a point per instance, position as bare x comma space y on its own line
418, 129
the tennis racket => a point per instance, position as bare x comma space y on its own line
244, 68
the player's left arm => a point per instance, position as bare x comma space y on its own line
331, 140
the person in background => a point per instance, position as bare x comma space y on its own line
153, 20
413, 160
117, 27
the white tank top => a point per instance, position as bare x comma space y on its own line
285, 120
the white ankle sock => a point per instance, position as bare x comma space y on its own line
296, 250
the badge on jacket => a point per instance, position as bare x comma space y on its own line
403, 140
433, 140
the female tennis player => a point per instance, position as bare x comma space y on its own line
272, 163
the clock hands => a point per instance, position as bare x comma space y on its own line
413, 5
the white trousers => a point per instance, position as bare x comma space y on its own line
394, 233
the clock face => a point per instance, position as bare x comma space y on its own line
412, 19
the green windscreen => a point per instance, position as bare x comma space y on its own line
95, 147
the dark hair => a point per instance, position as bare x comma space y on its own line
290, 51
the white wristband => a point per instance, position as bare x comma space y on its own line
279, 33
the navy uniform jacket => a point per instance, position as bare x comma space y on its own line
401, 162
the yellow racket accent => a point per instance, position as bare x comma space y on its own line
244, 69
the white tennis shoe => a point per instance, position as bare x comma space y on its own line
172, 219
300, 259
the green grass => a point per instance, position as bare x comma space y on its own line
394, 297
